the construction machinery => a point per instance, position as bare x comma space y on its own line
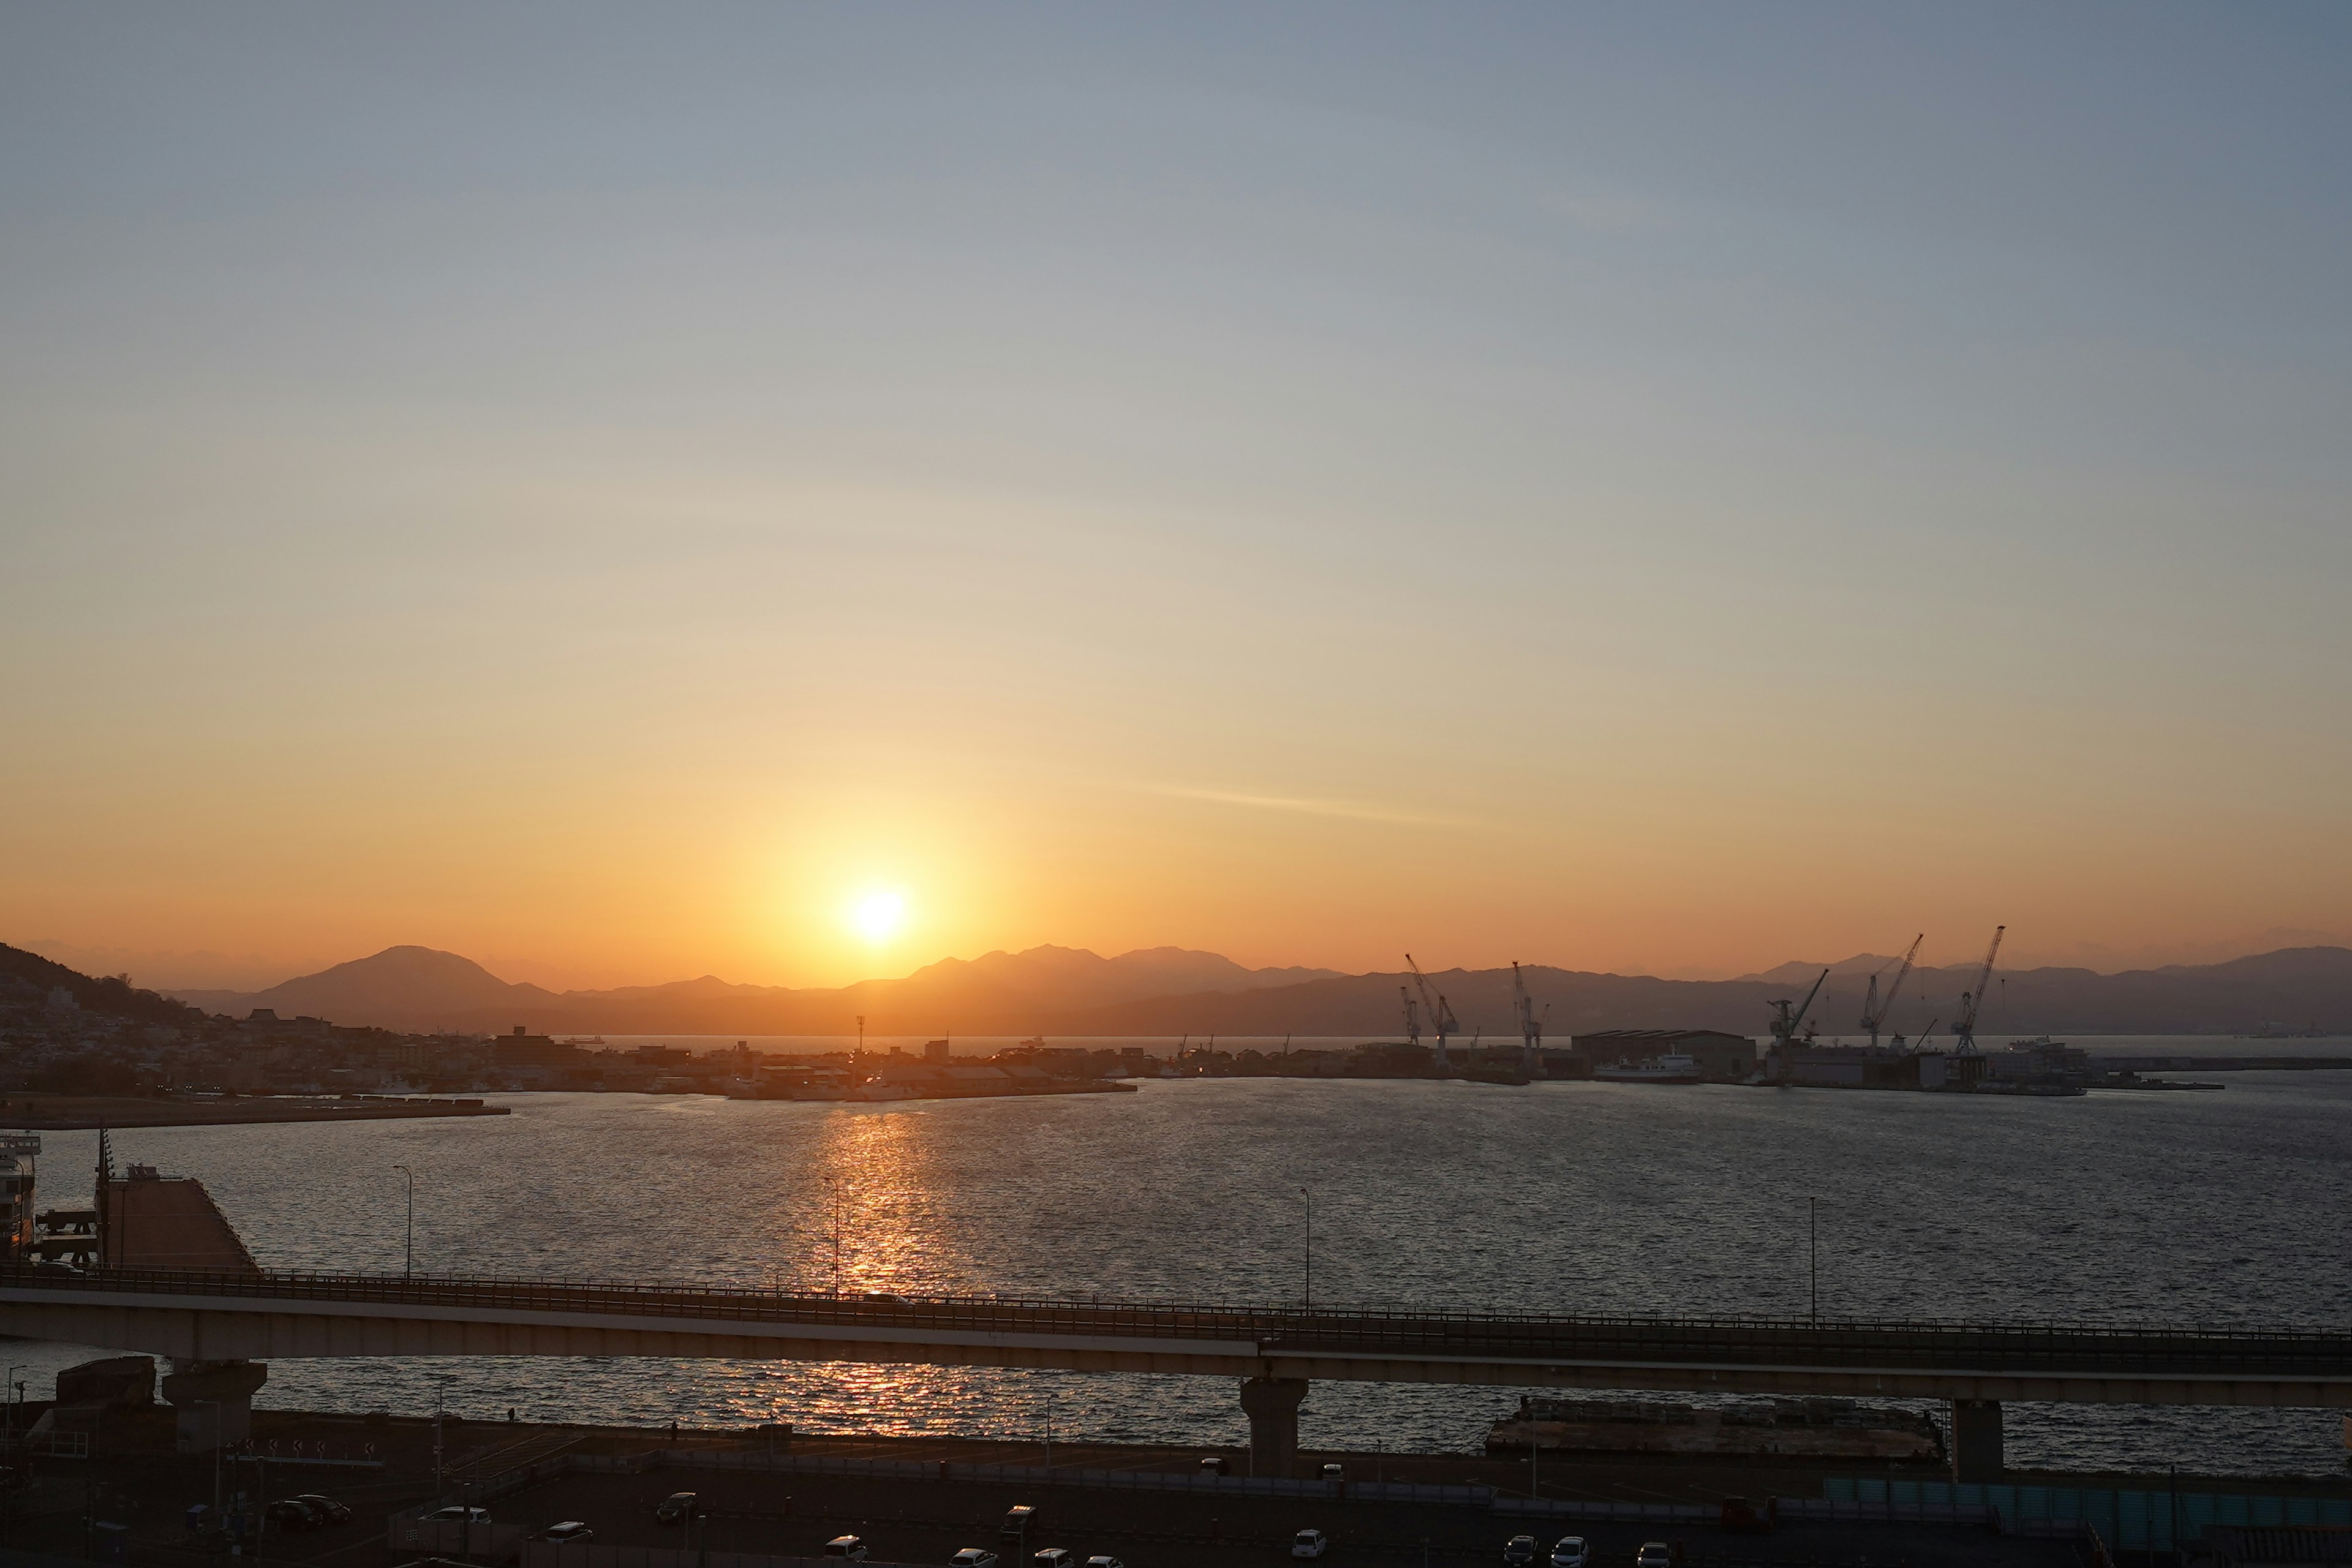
1964, 1021
1530, 1025
1785, 1025
1441, 1017
1875, 1006
1412, 1014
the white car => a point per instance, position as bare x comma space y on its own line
1570, 1552
1309, 1543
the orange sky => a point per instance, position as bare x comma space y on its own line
1600, 498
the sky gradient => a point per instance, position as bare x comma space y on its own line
604, 490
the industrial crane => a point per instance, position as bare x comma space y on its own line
1530, 1026
1412, 1014
1964, 1021
1874, 1007
1785, 1026
1441, 1017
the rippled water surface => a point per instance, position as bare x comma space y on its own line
2218, 1208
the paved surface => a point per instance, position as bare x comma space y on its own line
919, 1522
265, 1316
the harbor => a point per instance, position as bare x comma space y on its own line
67, 1112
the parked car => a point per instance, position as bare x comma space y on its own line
1335, 1472
1309, 1543
459, 1513
849, 1548
571, 1532
291, 1514
327, 1508
1654, 1555
1105, 1562
677, 1509
1052, 1557
975, 1557
1213, 1465
1520, 1551
1570, 1552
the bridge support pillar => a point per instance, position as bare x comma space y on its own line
1976, 1440
215, 1402
1272, 1404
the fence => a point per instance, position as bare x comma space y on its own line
1609, 1512
2125, 1520
550, 1554
1023, 1474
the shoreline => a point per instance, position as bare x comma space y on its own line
81, 1113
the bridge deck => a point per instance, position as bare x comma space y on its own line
1329, 1336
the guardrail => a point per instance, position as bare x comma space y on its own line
1892, 1344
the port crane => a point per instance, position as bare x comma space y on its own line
1964, 1021
1785, 1026
1412, 1014
1530, 1025
1874, 1007
1441, 1017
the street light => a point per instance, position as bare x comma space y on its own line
408, 1269
1310, 1245
833, 1187
1813, 1221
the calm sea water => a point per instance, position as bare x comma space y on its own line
2217, 1208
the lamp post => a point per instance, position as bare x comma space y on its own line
1310, 1249
833, 1187
1813, 1224
408, 1267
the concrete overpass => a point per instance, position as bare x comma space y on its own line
213, 1323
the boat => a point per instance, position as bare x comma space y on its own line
1672, 1068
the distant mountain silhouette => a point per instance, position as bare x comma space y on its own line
1173, 991
421, 988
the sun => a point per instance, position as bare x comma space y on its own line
877, 916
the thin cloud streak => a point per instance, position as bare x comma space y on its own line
1346, 810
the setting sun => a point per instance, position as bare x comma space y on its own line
877, 916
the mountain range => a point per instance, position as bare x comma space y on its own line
1174, 991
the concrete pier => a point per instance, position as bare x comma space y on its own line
1976, 1440
1272, 1404
214, 1401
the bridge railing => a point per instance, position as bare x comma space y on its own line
1274, 1329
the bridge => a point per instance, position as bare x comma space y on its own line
216, 1325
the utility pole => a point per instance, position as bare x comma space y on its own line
408, 1269
1813, 1220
